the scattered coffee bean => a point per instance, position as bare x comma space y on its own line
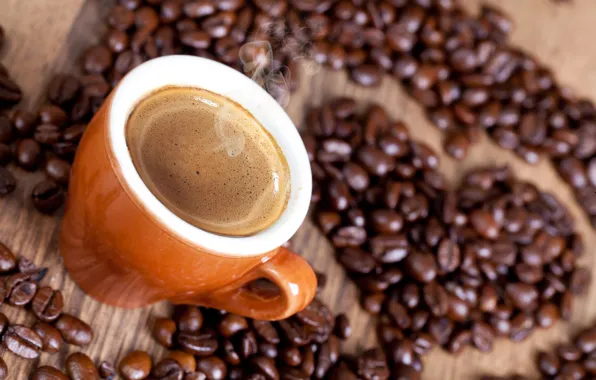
107, 370
3, 367
80, 367
47, 372
22, 341
47, 196
135, 366
73, 330
436, 262
7, 182
163, 331
51, 340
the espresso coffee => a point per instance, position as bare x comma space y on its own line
208, 160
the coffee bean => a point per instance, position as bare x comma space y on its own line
231, 324
47, 304
63, 89
457, 146
213, 367
47, 196
58, 170
422, 266
97, 59
48, 373
521, 327
22, 293
186, 361
3, 323
548, 364
163, 331
8, 261
6, 130
24, 122
342, 326
459, 341
484, 223
54, 115
167, 369
80, 367
22, 341
28, 154
197, 343
135, 366
483, 336
6, 154
73, 330
547, 315
366, 75
580, 280
7, 182
50, 337
524, 296
10, 92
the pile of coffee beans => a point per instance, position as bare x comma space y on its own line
495, 257
205, 343
20, 286
576, 360
228, 346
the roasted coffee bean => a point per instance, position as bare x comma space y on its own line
47, 304
167, 369
231, 324
50, 337
58, 170
73, 330
135, 365
28, 154
366, 75
547, 315
6, 154
200, 344
52, 114
22, 341
22, 293
106, 370
3, 323
47, 134
186, 361
48, 373
80, 367
342, 326
63, 89
10, 92
188, 318
47, 196
6, 129
163, 331
213, 367
24, 122
7, 182
8, 261
97, 59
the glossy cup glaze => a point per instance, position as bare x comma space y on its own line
125, 248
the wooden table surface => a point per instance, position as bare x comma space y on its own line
47, 36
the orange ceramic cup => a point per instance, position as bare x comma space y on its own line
123, 247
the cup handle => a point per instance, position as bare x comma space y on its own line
293, 276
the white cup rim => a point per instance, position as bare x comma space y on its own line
189, 71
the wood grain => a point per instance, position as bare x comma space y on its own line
46, 36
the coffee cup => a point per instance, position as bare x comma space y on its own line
122, 246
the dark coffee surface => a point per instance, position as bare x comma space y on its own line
209, 161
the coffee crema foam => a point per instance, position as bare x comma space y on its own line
208, 160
